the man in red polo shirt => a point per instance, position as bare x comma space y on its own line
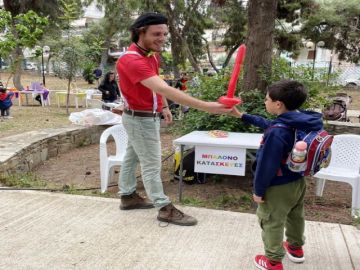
145, 94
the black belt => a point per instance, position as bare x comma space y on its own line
142, 114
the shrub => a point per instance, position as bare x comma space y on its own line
88, 70
211, 88
315, 81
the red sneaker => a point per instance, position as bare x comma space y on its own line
264, 263
295, 254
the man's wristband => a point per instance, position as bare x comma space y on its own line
165, 107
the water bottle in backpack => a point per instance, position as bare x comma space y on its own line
297, 159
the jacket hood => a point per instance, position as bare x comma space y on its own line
303, 120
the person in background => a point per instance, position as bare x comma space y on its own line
109, 88
97, 74
278, 191
40, 86
145, 95
5, 102
181, 83
168, 80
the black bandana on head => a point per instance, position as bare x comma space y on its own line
150, 18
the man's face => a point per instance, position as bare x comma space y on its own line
154, 38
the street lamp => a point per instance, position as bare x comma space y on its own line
311, 45
46, 50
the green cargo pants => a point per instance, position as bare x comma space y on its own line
283, 208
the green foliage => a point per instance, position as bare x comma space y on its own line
210, 89
26, 30
71, 11
230, 200
8, 42
87, 73
166, 62
356, 222
222, 201
70, 63
27, 180
337, 23
29, 28
94, 43
233, 15
318, 90
193, 202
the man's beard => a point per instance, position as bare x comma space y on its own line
148, 46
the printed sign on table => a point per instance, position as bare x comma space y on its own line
224, 160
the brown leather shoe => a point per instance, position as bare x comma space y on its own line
173, 215
134, 201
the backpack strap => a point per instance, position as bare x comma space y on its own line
281, 125
155, 103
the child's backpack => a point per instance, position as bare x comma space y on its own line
318, 151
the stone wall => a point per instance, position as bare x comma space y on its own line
335, 127
23, 152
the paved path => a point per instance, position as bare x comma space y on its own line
41, 230
353, 113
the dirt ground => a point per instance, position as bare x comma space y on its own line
80, 169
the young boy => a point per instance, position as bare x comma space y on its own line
278, 191
5, 102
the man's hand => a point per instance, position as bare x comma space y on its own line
258, 199
167, 115
217, 108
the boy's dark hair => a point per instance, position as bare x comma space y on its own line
143, 21
2, 89
292, 93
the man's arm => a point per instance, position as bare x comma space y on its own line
159, 86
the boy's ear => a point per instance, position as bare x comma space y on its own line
280, 105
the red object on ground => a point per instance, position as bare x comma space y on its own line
229, 98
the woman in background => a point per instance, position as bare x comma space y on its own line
109, 88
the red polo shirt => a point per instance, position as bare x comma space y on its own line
132, 69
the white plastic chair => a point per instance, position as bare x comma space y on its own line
344, 167
108, 161
94, 103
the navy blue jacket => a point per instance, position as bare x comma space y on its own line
5, 100
277, 144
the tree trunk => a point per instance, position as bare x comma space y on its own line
211, 61
68, 96
261, 23
175, 57
176, 43
191, 58
105, 54
18, 56
229, 55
